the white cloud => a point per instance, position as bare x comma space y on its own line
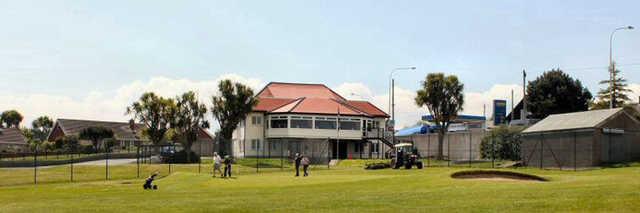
110, 105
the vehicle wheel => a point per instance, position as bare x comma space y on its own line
407, 166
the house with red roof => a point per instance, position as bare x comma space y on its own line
313, 120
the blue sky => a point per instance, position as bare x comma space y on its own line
74, 48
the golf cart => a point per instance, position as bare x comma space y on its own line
406, 155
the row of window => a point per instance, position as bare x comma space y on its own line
319, 124
308, 122
358, 147
256, 145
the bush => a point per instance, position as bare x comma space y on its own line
502, 143
181, 157
377, 165
88, 149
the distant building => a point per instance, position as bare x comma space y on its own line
582, 139
123, 134
461, 123
313, 120
11, 140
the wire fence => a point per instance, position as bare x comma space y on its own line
566, 150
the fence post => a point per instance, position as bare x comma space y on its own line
138, 159
470, 139
448, 150
35, 166
71, 164
541, 150
106, 165
575, 158
199, 157
428, 147
493, 150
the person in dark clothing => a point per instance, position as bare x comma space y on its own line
148, 184
297, 161
227, 166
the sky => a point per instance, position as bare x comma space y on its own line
90, 59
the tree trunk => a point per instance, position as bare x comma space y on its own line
187, 149
440, 145
225, 144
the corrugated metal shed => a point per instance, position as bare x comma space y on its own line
575, 120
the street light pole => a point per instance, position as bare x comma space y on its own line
393, 104
612, 69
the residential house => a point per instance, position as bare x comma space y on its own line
123, 134
12, 140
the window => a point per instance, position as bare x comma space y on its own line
256, 120
255, 144
325, 123
279, 122
301, 122
375, 147
349, 124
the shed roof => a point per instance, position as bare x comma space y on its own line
11, 136
121, 130
575, 120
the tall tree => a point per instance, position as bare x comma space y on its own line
443, 96
155, 113
41, 127
556, 92
188, 120
619, 89
11, 119
96, 134
230, 107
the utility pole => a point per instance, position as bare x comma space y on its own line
512, 112
523, 112
612, 68
393, 117
338, 135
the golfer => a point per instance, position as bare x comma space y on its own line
305, 165
227, 166
297, 161
217, 163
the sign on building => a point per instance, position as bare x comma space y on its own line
499, 112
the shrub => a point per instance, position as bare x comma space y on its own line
87, 149
377, 165
502, 143
181, 157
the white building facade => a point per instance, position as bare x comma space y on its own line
313, 120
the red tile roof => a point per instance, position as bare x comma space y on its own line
295, 90
368, 108
268, 104
311, 99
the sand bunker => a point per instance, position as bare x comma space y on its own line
496, 175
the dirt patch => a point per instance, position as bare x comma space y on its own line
496, 175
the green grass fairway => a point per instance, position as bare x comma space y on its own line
347, 188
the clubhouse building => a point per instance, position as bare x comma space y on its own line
313, 120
